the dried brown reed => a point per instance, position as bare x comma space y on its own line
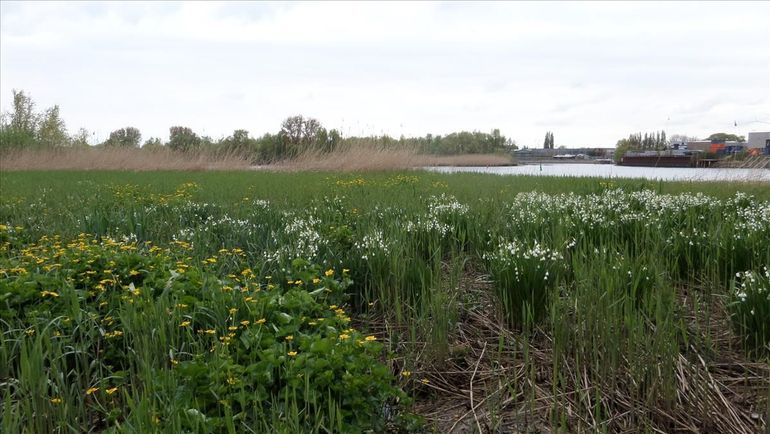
370, 156
363, 156
117, 159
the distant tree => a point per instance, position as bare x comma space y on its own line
152, 144
23, 118
297, 134
726, 137
239, 143
19, 126
298, 130
128, 137
683, 138
183, 139
333, 140
51, 131
548, 143
80, 139
623, 146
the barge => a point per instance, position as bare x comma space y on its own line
660, 159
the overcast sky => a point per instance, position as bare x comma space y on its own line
589, 72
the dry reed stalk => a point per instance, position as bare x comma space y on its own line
368, 156
353, 158
117, 159
497, 391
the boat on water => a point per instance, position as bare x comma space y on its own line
673, 158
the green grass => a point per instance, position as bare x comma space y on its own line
242, 301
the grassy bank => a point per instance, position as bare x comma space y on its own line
238, 301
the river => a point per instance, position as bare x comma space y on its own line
612, 171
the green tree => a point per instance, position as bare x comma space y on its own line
621, 147
239, 143
183, 139
80, 139
152, 144
19, 127
548, 142
51, 131
726, 137
298, 133
128, 137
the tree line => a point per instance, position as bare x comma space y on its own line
25, 128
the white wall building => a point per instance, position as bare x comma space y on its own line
759, 140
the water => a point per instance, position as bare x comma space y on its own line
612, 171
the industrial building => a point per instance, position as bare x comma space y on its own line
759, 140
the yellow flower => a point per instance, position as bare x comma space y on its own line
49, 293
344, 336
111, 391
91, 390
210, 331
406, 373
184, 324
232, 328
292, 353
370, 338
245, 322
333, 306
289, 338
56, 401
133, 273
233, 310
424, 381
316, 280
329, 273
260, 321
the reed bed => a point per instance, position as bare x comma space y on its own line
358, 157
117, 159
397, 301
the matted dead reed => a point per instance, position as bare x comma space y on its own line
495, 380
131, 159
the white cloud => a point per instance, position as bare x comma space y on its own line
590, 72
